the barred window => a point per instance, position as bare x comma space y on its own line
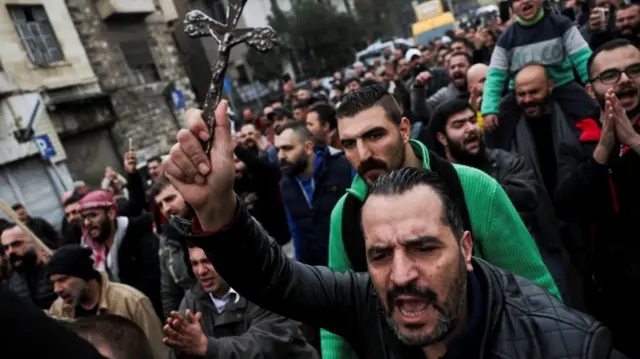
36, 34
140, 61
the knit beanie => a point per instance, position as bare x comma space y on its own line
73, 260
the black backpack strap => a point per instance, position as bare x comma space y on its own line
446, 171
352, 236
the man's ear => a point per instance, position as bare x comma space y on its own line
405, 129
466, 247
308, 147
589, 88
441, 139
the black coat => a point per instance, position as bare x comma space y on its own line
520, 320
33, 287
244, 330
138, 262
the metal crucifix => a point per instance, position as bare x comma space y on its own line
198, 24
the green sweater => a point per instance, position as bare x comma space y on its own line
499, 237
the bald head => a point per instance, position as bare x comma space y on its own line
532, 88
531, 73
476, 75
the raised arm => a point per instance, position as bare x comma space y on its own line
241, 250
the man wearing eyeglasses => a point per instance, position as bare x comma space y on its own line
28, 279
599, 189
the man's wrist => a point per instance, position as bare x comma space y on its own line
634, 142
219, 215
601, 154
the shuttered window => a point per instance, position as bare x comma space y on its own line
140, 61
36, 34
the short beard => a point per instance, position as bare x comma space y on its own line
448, 320
460, 154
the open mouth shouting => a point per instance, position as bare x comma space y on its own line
628, 98
411, 309
528, 10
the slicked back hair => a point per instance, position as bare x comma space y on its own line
400, 181
120, 335
607, 46
368, 97
326, 113
160, 184
299, 128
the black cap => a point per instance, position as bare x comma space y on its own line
73, 260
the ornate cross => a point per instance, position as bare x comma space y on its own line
198, 24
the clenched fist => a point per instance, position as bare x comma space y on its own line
205, 182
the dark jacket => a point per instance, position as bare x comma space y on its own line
138, 261
244, 330
514, 175
601, 203
310, 222
520, 320
260, 190
34, 335
176, 276
33, 286
45, 231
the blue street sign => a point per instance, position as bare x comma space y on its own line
45, 147
178, 98
227, 85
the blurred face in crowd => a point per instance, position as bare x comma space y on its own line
418, 265
526, 9
397, 53
248, 115
303, 95
294, 153
373, 144
240, 167
18, 248
470, 34
628, 20
317, 128
99, 223
427, 56
618, 69
315, 84
154, 168
206, 274
441, 55
288, 86
458, 66
300, 113
353, 86
476, 76
72, 213
72, 290
532, 88
22, 214
170, 202
249, 135
462, 139
337, 75
459, 46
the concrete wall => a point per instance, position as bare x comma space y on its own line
75, 69
143, 112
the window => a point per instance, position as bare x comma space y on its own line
36, 34
138, 57
133, 40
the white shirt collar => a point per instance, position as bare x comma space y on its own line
220, 303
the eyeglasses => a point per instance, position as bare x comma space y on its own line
612, 76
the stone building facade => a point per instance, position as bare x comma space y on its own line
139, 70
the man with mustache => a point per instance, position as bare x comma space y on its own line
598, 188
28, 279
82, 291
375, 139
124, 247
424, 295
458, 65
312, 183
458, 132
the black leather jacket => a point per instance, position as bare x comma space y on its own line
521, 319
